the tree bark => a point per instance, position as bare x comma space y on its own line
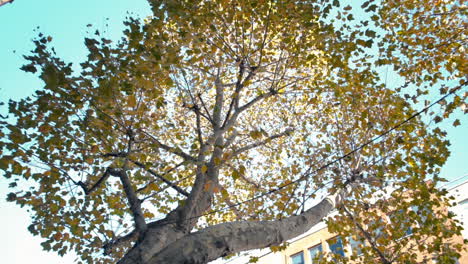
157, 236
227, 238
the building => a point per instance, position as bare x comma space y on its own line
302, 249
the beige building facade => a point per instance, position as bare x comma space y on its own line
302, 249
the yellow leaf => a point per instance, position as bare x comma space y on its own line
94, 148
44, 128
131, 101
57, 236
242, 169
235, 175
255, 134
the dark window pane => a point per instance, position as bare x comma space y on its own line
336, 246
409, 231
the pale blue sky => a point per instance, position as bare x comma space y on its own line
66, 22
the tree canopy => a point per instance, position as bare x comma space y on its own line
215, 127
2, 2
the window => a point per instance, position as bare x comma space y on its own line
315, 252
376, 229
425, 213
356, 245
409, 231
336, 246
297, 258
399, 220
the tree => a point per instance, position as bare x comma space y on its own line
2, 2
213, 126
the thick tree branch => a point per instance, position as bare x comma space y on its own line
219, 100
240, 84
227, 238
159, 234
133, 201
199, 129
229, 140
165, 237
200, 197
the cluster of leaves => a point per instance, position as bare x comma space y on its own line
425, 41
410, 225
298, 92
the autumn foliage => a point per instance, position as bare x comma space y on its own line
210, 112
